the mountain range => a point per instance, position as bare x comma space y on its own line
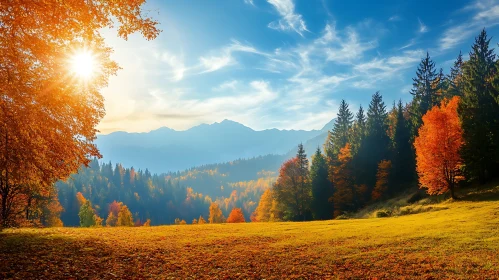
167, 150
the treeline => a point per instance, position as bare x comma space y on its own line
448, 133
157, 198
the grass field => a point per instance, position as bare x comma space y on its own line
458, 239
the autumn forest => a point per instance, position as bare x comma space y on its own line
433, 157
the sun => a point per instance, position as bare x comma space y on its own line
83, 64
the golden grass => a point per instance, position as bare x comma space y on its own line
459, 241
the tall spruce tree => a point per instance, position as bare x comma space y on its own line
304, 183
358, 130
455, 78
403, 155
321, 188
424, 90
479, 113
340, 133
376, 145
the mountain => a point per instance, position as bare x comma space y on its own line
165, 149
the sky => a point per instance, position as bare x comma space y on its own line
283, 64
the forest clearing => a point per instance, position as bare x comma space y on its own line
457, 239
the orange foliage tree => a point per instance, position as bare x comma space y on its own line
236, 216
344, 188
47, 115
437, 148
382, 179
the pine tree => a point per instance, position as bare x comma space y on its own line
344, 188
358, 130
455, 78
304, 183
340, 133
424, 91
376, 146
403, 155
479, 113
321, 188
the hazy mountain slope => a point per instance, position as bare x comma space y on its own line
165, 149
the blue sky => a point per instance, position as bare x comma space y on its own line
281, 63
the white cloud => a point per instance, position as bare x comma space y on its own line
227, 85
225, 57
176, 64
485, 14
422, 27
249, 2
395, 18
290, 21
348, 49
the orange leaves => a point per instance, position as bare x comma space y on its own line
236, 216
81, 198
382, 178
437, 148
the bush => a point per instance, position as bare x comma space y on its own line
383, 214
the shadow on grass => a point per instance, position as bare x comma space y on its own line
488, 192
46, 256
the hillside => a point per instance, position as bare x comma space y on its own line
460, 240
165, 149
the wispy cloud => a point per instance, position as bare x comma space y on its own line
381, 69
395, 18
225, 57
176, 64
228, 85
484, 14
290, 20
349, 49
422, 27
249, 2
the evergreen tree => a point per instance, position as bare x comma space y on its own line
479, 113
340, 133
304, 183
358, 130
376, 146
424, 91
403, 155
321, 188
455, 78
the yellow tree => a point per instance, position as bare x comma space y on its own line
125, 218
262, 212
437, 148
216, 215
48, 111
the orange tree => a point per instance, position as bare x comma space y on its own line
47, 115
236, 216
437, 148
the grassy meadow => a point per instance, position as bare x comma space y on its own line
454, 239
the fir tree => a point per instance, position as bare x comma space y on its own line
403, 155
340, 133
424, 91
479, 113
304, 183
376, 146
358, 130
321, 188
455, 78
